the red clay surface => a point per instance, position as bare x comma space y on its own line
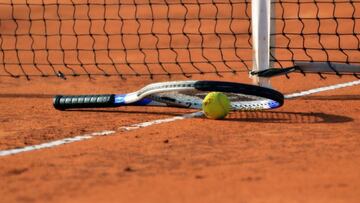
307, 151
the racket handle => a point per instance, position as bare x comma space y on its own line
62, 102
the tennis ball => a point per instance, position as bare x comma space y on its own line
216, 105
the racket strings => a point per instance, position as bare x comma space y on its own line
194, 98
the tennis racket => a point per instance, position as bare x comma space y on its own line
187, 94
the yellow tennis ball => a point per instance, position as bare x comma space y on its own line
216, 105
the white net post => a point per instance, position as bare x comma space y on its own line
261, 28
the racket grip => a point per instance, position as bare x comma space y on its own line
62, 102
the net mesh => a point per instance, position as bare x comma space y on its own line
315, 31
167, 37
127, 37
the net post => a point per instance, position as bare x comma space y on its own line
261, 26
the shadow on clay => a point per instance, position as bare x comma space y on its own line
243, 116
287, 117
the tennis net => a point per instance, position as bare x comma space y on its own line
168, 37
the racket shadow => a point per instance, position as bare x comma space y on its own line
286, 117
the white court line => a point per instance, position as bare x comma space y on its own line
165, 120
154, 122
95, 134
322, 89
55, 143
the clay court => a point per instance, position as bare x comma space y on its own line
306, 151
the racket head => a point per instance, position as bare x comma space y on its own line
190, 94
